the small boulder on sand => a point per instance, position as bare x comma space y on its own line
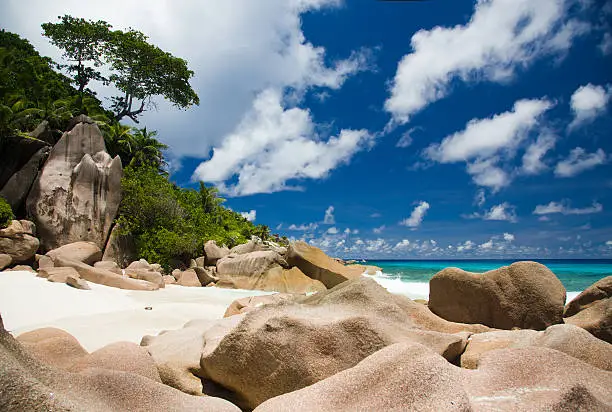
86, 252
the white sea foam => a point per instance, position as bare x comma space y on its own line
420, 290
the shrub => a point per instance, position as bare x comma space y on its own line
6, 213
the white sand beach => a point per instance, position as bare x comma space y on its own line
103, 314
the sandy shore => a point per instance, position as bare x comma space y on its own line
103, 314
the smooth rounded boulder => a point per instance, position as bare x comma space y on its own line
600, 290
213, 253
596, 319
313, 262
525, 294
86, 252
18, 242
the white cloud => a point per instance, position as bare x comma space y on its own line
578, 161
486, 245
480, 198
483, 138
508, 237
406, 139
329, 218
467, 245
501, 212
379, 230
606, 44
273, 145
417, 215
501, 37
378, 245
486, 173
403, 245
609, 243
375, 215
236, 48
304, 228
544, 219
532, 159
564, 208
587, 103
332, 230
250, 216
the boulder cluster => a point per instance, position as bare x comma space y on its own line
354, 346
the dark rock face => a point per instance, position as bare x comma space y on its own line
18, 186
76, 196
120, 249
525, 295
15, 152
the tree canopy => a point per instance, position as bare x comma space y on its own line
138, 69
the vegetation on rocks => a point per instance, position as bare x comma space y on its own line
6, 213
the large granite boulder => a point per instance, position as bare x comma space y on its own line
263, 271
53, 346
27, 384
5, 260
18, 241
120, 248
105, 277
313, 262
600, 290
281, 348
569, 339
250, 303
58, 274
76, 195
213, 252
16, 189
409, 376
526, 295
596, 318
86, 252
188, 278
109, 265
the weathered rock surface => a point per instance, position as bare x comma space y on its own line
316, 264
177, 355
281, 348
596, 318
5, 260
105, 277
109, 265
187, 278
213, 252
120, 248
599, 290
201, 261
58, 274
244, 305
205, 275
274, 278
18, 242
77, 283
146, 274
28, 384
15, 152
169, 280
525, 295
569, 339
44, 262
408, 376
86, 252
16, 189
53, 346
21, 268
76, 195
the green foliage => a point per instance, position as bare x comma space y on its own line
6, 213
83, 42
139, 70
171, 224
136, 147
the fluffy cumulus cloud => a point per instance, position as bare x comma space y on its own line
329, 218
303, 228
379, 229
500, 37
565, 208
508, 237
501, 212
579, 161
246, 57
417, 216
250, 216
589, 102
273, 145
484, 142
332, 230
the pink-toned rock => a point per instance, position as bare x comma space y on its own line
5, 260
213, 252
86, 252
77, 283
44, 262
21, 268
596, 318
17, 242
109, 265
525, 295
250, 303
58, 274
188, 278
53, 346
146, 274
169, 280
599, 290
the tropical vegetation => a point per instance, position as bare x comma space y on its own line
169, 224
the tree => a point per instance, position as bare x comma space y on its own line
141, 71
146, 150
83, 42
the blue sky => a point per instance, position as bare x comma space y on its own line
375, 129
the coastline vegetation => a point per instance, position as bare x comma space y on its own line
169, 224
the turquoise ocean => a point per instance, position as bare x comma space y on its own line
411, 277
